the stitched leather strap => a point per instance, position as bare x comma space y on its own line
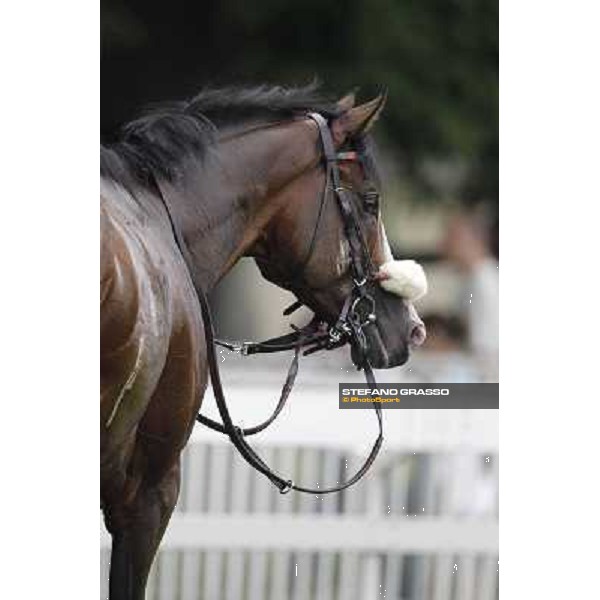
353, 330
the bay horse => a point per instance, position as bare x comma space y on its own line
230, 173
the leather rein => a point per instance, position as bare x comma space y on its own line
357, 312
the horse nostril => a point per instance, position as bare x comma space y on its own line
418, 334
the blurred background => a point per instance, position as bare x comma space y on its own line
425, 522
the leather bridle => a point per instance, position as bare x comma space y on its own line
358, 312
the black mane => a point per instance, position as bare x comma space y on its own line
156, 142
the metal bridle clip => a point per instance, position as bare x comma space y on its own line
335, 335
241, 348
370, 316
287, 487
337, 332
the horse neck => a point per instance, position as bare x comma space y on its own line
222, 203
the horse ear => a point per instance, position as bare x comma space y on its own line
347, 102
357, 120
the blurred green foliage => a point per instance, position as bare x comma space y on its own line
438, 60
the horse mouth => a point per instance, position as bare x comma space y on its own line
380, 357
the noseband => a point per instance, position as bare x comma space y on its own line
358, 312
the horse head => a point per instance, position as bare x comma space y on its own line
308, 249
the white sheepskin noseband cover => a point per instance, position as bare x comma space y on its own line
405, 278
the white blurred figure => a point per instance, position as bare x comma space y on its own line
467, 246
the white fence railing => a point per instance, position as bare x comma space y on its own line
422, 526
235, 538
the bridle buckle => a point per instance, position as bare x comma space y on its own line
338, 332
242, 348
289, 484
